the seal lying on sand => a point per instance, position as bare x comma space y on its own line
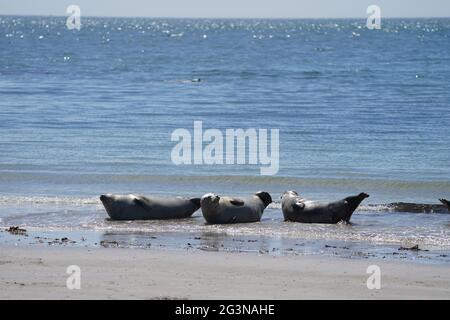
445, 203
298, 209
220, 210
134, 207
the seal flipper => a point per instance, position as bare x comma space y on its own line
142, 202
232, 220
298, 206
352, 203
237, 202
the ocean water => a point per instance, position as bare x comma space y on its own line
92, 111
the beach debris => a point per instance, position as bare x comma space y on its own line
335, 247
16, 283
361, 254
41, 239
61, 241
17, 231
108, 244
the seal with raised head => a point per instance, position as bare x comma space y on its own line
445, 202
298, 209
135, 207
221, 210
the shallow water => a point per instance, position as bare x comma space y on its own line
375, 232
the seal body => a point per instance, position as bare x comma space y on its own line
298, 209
445, 202
135, 207
222, 210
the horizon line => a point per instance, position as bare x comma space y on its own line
224, 18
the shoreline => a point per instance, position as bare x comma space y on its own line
115, 273
225, 243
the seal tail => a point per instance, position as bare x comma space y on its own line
353, 203
265, 197
445, 202
196, 202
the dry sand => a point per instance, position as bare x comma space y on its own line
113, 273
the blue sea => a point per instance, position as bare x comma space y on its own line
87, 112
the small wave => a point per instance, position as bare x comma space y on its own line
312, 73
49, 200
274, 205
20, 174
192, 80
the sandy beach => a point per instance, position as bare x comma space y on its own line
116, 273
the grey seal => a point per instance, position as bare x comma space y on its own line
222, 210
136, 207
298, 209
445, 202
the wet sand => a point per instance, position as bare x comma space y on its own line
28, 272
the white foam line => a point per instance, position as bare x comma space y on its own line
48, 200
